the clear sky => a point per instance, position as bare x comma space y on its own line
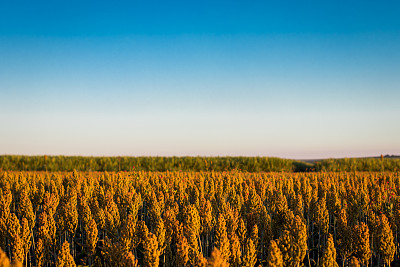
293, 79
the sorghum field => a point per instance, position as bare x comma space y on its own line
204, 218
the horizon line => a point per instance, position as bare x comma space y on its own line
200, 156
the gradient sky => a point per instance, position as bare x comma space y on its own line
293, 79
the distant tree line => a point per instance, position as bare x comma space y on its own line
359, 164
245, 164
70, 163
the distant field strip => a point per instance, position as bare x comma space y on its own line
246, 164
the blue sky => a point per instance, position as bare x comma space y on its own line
267, 78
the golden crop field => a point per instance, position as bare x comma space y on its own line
204, 218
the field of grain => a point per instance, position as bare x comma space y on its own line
202, 218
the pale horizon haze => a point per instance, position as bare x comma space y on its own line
290, 79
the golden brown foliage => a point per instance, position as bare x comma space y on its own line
4, 260
329, 257
64, 258
354, 262
216, 259
274, 258
386, 245
221, 238
361, 242
92, 236
184, 218
151, 251
250, 254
